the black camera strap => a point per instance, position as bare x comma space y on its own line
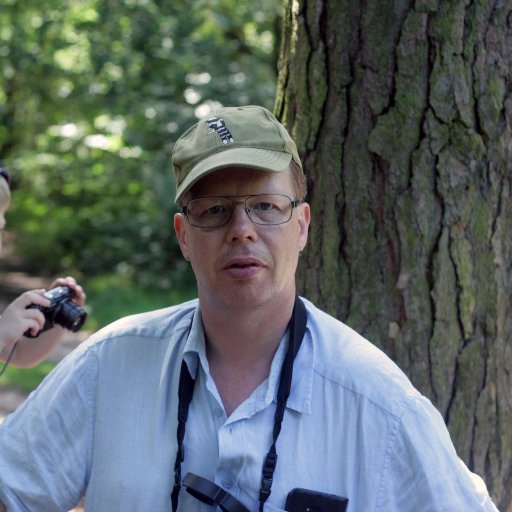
185, 392
297, 328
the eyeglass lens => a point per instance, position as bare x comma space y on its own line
265, 209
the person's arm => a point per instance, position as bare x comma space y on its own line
17, 319
424, 472
2, 507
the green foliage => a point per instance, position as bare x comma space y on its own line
92, 96
26, 379
110, 297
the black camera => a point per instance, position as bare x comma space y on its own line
62, 310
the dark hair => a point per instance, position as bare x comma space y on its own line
6, 175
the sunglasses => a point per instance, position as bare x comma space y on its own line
6, 175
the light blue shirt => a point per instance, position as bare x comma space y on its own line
104, 424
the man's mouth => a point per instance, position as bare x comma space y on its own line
243, 268
243, 262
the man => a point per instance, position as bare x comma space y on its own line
246, 399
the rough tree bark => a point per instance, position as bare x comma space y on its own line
402, 112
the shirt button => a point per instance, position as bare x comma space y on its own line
227, 483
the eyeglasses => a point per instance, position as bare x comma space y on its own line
262, 209
6, 175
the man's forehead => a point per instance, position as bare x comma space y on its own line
223, 180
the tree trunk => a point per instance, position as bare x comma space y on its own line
402, 112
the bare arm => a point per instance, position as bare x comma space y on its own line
17, 319
2, 507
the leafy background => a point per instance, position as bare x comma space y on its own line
93, 95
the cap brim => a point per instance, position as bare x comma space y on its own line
253, 158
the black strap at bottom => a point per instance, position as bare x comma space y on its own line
185, 392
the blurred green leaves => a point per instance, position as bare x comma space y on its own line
92, 96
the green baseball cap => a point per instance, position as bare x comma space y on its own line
248, 136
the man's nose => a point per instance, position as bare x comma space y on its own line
241, 227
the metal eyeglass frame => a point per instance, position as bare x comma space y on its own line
293, 203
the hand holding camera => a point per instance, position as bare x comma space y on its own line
61, 310
35, 312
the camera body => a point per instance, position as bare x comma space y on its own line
62, 311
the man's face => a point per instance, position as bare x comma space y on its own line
242, 264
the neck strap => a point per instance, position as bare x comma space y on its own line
296, 328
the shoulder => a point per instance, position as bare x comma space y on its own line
162, 325
355, 365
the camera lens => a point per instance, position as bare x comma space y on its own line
70, 316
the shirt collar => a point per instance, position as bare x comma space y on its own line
302, 383
195, 346
194, 353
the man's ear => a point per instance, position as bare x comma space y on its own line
304, 215
180, 227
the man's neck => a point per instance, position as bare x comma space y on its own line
241, 344
238, 334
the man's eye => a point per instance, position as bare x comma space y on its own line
264, 207
215, 210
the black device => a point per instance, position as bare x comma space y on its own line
210, 493
62, 310
304, 500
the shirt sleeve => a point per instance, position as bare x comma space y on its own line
45, 446
425, 473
